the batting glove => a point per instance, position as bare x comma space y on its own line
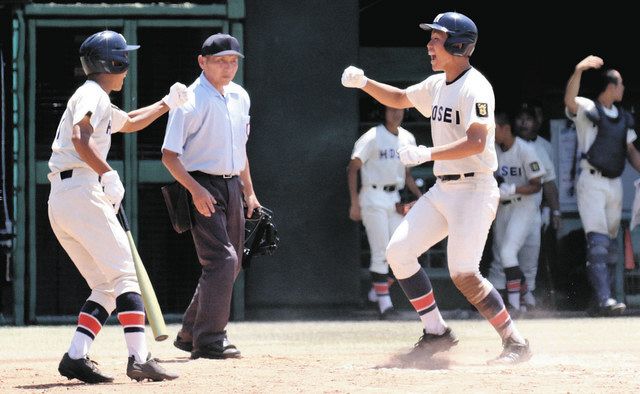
507, 190
178, 95
411, 155
353, 77
113, 188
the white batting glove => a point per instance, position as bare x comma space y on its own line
353, 77
178, 95
507, 190
113, 188
411, 155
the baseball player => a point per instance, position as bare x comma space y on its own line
518, 217
605, 137
524, 126
462, 204
375, 156
85, 196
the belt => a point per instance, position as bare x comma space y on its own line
455, 177
386, 188
224, 176
66, 174
507, 202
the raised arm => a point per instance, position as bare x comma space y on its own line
573, 86
353, 77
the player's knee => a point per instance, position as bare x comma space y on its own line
598, 248
105, 299
508, 256
402, 262
472, 285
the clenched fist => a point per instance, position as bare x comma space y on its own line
411, 155
113, 188
353, 77
178, 95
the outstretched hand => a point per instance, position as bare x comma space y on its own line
178, 95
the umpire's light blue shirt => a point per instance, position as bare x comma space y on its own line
209, 133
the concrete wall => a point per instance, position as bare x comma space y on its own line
303, 127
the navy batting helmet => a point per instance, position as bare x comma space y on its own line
105, 52
462, 33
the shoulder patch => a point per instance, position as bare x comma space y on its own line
535, 166
482, 110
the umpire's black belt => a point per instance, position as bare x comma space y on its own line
386, 188
507, 202
200, 173
455, 177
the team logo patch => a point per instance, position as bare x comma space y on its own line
482, 110
535, 166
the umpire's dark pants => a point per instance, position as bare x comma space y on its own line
219, 241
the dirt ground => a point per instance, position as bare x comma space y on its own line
579, 355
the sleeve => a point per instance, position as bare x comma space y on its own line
421, 97
478, 107
88, 102
547, 164
118, 118
362, 147
584, 104
532, 165
179, 125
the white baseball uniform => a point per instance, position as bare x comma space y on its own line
464, 208
81, 216
595, 191
518, 218
382, 176
529, 252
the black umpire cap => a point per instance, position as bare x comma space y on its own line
221, 44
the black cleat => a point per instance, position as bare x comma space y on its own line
433, 343
186, 346
512, 353
218, 349
390, 314
83, 369
150, 370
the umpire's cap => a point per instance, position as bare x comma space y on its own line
105, 52
221, 44
462, 33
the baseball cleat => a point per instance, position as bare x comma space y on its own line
390, 314
217, 350
612, 307
150, 370
512, 353
186, 346
83, 369
433, 343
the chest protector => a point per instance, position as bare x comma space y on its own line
608, 152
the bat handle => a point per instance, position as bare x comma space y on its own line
122, 218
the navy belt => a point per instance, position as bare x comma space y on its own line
66, 174
507, 202
455, 177
224, 176
386, 188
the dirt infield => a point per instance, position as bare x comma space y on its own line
570, 356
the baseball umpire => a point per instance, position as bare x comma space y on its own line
85, 196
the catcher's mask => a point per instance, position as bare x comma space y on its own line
260, 235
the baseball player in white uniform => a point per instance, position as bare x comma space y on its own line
605, 138
518, 217
382, 175
462, 204
85, 196
529, 253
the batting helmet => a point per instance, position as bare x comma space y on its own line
462, 33
105, 52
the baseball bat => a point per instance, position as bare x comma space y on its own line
151, 305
